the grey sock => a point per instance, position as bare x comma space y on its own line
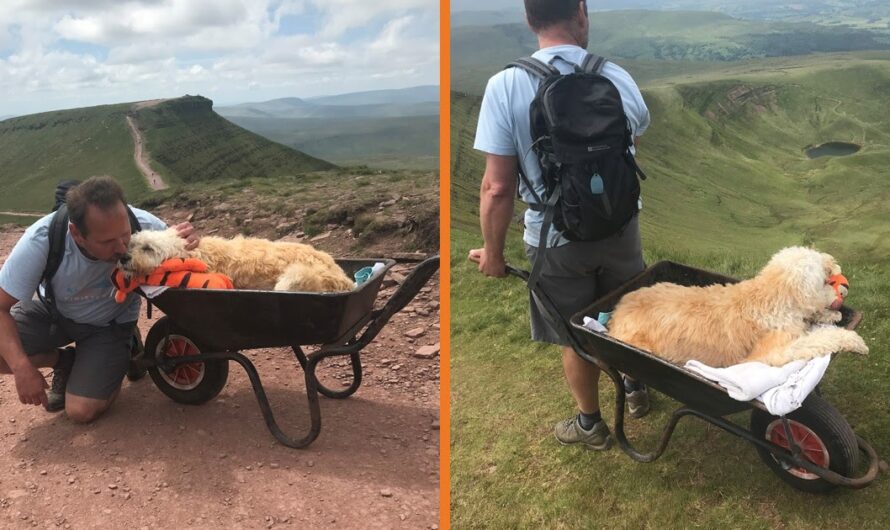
587, 421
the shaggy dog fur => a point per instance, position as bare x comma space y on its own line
251, 263
772, 318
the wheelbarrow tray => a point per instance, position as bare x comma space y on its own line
672, 380
247, 319
204, 330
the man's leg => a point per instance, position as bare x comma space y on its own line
583, 379
84, 409
103, 356
568, 276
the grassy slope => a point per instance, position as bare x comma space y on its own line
186, 140
730, 185
39, 150
189, 142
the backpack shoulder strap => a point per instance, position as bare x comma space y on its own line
535, 67
593, 64
58, 229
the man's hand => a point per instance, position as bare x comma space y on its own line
187, 231
31, 385
495, 266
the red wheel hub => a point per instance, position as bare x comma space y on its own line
184, 375
811, 446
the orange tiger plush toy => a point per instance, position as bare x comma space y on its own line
188, 273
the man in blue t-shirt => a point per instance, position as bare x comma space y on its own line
574, 273
99, 230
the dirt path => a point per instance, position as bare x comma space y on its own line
152, 463
141, 157
23, 214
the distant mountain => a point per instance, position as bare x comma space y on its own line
417, 94
870, 14
415, 101
666, 35
6, 117
487, 18
186, 142
410, 142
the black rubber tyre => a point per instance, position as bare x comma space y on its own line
821, 431
190, 384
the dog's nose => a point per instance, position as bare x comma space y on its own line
125, 259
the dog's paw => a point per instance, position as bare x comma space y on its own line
861, 348
855, 344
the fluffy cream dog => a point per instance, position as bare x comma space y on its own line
772, 318
251, 263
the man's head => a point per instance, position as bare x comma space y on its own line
98, 217
562, 20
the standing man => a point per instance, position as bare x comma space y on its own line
84, 311
574, 273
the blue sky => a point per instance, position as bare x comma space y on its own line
64, 54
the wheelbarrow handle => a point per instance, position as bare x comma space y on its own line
551, 313
522, 274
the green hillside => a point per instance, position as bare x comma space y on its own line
186, 141
39, 150
731, 151
729, 185
190, 142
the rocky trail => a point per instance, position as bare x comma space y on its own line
152, 463
140, 154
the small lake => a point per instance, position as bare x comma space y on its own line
832, 149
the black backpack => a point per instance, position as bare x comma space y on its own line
58, 230
582, 139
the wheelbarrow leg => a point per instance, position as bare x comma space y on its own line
354, 361
263, 401
619, 434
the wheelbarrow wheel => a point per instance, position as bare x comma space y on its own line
822, 433
192, 383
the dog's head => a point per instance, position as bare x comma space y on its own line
148, 249
811, 277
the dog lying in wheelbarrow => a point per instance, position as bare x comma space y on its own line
781, 315
251, 263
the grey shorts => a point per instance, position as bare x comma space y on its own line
579, 272
103, 352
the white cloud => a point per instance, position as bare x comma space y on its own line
62, 54
342, 15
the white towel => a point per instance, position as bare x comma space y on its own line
593, 325
781, 389
153, 290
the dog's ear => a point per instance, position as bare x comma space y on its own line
831, 265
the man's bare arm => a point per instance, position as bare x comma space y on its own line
495, 212
29, 382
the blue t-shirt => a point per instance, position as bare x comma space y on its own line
504, 128
82, 286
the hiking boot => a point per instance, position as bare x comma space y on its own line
137, 351
570, 432
637, 402
55, 398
